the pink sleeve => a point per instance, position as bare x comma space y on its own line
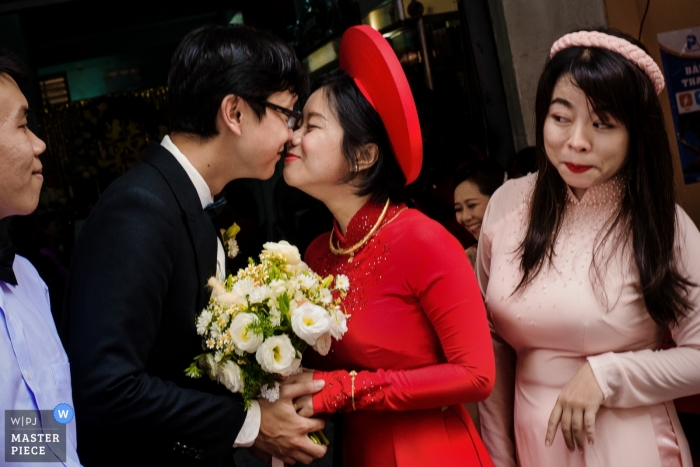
441, 278
646, 377
496, 412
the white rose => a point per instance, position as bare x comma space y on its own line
323, 344
229, 375
288, 252
310, 322
339, 325
277, 355
242, 338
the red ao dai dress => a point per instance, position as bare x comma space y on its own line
417, 337
545, 334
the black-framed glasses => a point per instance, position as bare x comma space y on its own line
293, 116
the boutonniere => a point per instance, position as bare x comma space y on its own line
229, 236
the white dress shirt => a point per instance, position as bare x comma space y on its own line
251, 426
34, 369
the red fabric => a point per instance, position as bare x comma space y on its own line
369, 59
418, 338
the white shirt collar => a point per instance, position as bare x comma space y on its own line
197, 180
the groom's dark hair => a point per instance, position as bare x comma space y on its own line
215, 61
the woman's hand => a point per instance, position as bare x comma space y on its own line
304, 404
576, 408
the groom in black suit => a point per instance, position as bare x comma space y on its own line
141, 264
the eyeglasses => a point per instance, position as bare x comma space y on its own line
293, 116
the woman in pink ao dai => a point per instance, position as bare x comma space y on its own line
583, 267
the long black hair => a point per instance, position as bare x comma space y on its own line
616, 87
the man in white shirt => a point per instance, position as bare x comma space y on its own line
143, 258
33, 366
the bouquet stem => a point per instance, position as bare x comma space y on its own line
319, 437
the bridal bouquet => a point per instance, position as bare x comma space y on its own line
259, 322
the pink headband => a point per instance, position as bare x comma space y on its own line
605, 41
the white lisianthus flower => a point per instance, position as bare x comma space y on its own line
339, 324
325, 296
323, 344
277, 355
243, 287
242, 338
308, 282
260, 294
310, 322
229, 375
342, 282
288, 252
203, 322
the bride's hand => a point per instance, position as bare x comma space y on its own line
576, 409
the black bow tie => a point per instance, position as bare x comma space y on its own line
7, 257
213, 209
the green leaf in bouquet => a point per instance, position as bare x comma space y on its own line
254, 377
284, 304
193, 371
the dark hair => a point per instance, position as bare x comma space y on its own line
215, 61
13, 67
614, 87
362, 125
486, 175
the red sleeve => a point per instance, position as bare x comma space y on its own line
438, 273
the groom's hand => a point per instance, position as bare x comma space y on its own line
283, 433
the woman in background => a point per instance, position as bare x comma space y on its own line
473, 186
584, 265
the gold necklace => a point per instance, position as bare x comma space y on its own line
352, 249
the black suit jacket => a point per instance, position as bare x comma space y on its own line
137, 281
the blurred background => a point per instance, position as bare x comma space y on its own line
99, 98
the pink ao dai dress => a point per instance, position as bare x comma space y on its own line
543, 335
